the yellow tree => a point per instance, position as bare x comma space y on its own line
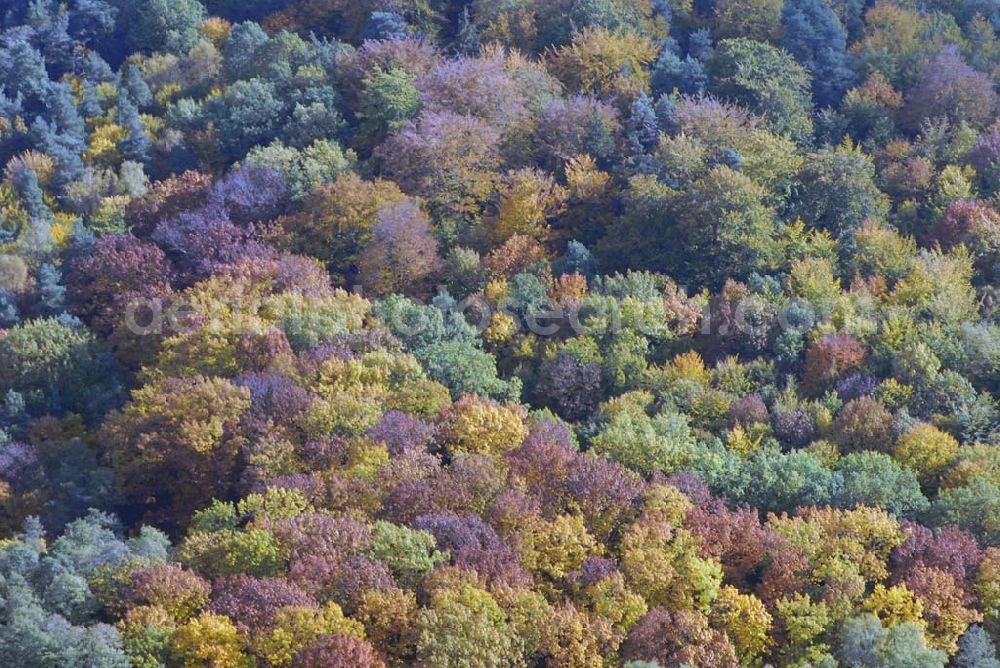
665, 565
605, 63
746, 621
527, 199
209, 640
928, 451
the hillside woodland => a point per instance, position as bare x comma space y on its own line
499, 334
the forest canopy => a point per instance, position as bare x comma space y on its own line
499, 333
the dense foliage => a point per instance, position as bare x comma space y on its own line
499, 334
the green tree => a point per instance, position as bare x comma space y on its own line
729, 231
663, 443
766, 80
875, 479
410, 554
388, 100
56, 365
838, 191
464, 627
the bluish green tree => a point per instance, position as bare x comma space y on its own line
875, 479
813, 34
976, 650
167, 25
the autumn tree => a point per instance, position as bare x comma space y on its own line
176, 442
